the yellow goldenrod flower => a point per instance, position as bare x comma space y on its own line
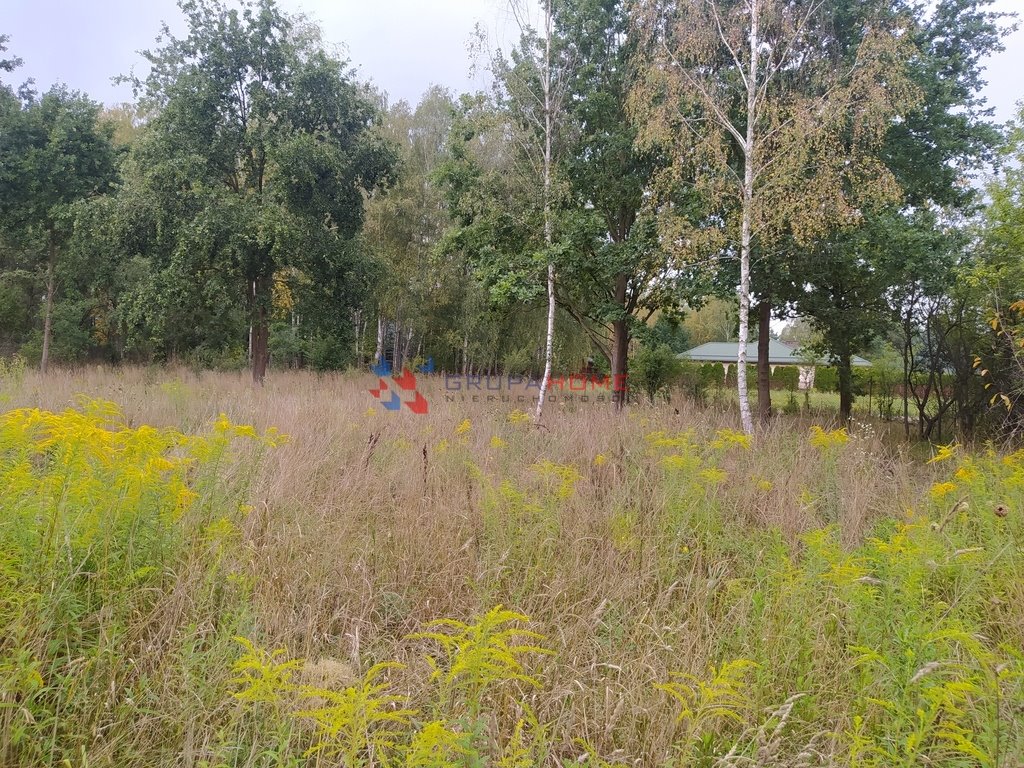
966, 473
518, 417
725, 438
713, 475
945, 452
824, 440
941, 490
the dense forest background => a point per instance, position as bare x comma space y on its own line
259, 207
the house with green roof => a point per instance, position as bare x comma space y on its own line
779, 353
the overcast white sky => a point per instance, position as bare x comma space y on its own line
403, 46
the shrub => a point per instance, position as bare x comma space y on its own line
654, 370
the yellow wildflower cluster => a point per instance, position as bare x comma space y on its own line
681, 440
826, 439
518, 417
726, 438
941, 490
87, 470
683, 462
368, 718
944, 453
566, 476
713, 476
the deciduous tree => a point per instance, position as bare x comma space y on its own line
270, 140
54, 152
778, 115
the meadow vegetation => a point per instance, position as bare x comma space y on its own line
195, 572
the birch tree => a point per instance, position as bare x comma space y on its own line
530, 87
778, 116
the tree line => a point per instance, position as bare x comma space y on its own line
633, 163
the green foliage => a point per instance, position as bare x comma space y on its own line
96, 519
826, 379
361, 723
697, 378
280, 189
654, 370
54, 154
701, 703
262, 677
475, 657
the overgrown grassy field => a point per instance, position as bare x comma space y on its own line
208, 574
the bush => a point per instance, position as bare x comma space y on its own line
826, 379
517, 362
654, 370
786, 377
209, 359
696, 378
326, 353
97, 521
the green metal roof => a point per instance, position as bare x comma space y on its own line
779, 353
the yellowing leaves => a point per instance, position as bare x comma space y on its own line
722, 696
475, 656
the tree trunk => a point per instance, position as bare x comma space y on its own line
906, 375
620, 346
260, 329
748, 213
51, 269
378, 353
548, 236
845, 372
764, 371
357, 321
405, 348
395, 363
548, 345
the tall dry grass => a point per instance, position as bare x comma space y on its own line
367, 525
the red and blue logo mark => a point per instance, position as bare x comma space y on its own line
404, 383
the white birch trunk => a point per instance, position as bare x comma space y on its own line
378, 353
745, 237
548, 236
